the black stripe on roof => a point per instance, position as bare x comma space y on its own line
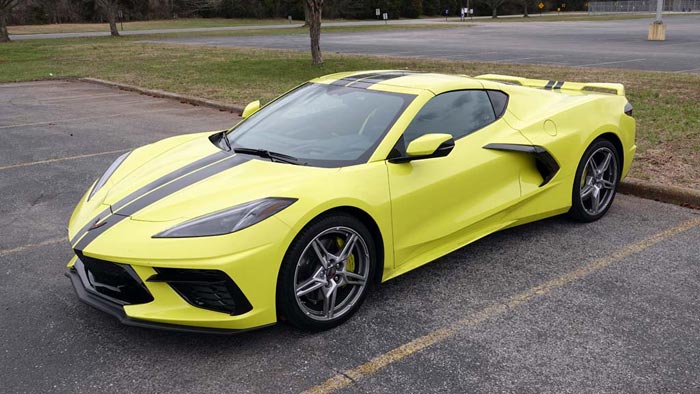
367, 82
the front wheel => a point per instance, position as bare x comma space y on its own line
596, 182
326, 272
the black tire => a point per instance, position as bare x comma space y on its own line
587, 183
301, 311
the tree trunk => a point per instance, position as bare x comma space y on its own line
4, 36
315, 7
494, 13
112, 19
306, 14
525, 14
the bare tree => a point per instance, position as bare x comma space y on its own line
6, 7
306, 14
315, 8
110, 8
493, 5
194, 7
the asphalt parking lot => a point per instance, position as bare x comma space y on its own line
554, 306
608, 44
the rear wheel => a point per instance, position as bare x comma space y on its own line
596, 181
326, 272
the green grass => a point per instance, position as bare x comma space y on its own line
186, 23
298, 30
666, 104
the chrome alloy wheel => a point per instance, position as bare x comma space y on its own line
332, 273
599, 181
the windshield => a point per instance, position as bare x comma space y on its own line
323, 125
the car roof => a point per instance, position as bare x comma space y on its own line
388, 79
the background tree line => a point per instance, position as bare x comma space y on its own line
77, 11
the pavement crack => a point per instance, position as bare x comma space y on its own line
350, 378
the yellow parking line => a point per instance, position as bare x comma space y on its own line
19, 249
376, 364
61, 159
82, 97
88, 118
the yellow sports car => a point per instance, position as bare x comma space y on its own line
344, 182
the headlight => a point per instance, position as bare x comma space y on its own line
103, 179
229, 220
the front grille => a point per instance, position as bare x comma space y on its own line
207, 289
115, 282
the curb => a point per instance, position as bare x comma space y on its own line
682, 196
198, 101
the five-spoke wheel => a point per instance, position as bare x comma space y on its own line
326, 272
596, 181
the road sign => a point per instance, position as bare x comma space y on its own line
541, 5
377, 11
385, 16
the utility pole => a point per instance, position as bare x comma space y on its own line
657, 30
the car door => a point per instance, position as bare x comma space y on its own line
440, 204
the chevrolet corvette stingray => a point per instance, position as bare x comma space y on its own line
342, 183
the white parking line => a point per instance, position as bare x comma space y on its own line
604, 63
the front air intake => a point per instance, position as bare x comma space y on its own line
207, 289
115, 282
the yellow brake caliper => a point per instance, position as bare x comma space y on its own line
350, 266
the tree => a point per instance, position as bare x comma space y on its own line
110, 8
412, 8
525, 4
493, 5
315, 9
6, 7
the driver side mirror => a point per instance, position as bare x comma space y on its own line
250, 109
427, 146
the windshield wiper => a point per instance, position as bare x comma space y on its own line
273, 156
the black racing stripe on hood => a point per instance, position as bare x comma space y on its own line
101, 216
150, 198
195, 165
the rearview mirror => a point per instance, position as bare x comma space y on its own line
427, 146
250, 109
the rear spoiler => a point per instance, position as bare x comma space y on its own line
610, 88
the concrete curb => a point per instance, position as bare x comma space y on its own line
682, 196
635, 187
173, 96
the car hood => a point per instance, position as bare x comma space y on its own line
191, 177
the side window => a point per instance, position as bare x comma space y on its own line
458, 113
499, 101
